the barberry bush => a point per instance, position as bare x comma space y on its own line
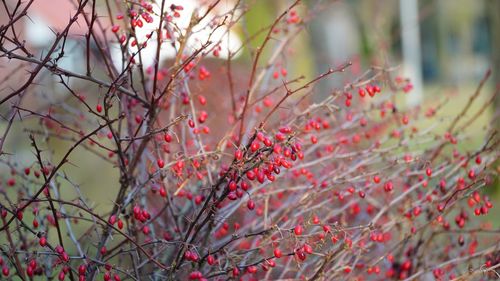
215, 164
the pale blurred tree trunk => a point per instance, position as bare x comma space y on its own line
442, 36
412, 58
493, 9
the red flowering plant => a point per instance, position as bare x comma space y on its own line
218, 170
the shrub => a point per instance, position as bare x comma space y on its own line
218, 170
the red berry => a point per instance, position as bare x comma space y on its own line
276, 75
440, 207
29, 271
307, 249
416, 211
59, 249
210, 260
250, 205
428, 172
361, 92
254, 146
405, 120
195, 275
11, 182
232, 196
298, 229
301, 255
316, 220
361, 194
20, 215
252, 269
251, 175
5, 271
82, 269
238, 154
478, 160
61, 275
120, 224
277, 253
112, 219
314, 139
285, 130
168, 138
388, 186
202, 99
236, 271
232, 186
